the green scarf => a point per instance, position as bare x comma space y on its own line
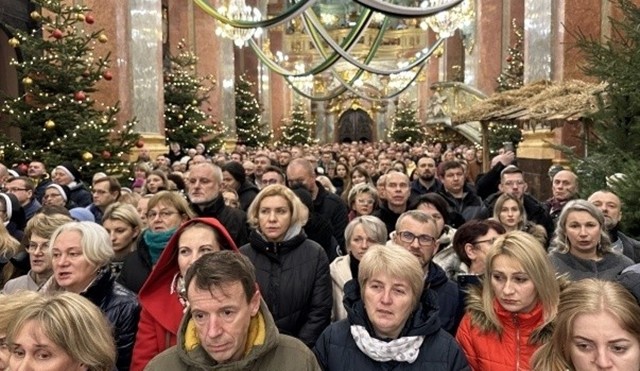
157, 241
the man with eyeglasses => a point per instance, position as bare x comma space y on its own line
416, 231
512, 182
22, 187
203, 189
104, 191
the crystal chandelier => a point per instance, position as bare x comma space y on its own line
238, 10
446, 23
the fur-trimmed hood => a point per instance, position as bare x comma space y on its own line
477, 313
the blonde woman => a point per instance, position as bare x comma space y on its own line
292, 270
124, 226
61, 332
597, 328
509, 317
10, 305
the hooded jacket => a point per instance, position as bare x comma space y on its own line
16, 220
486, 349
161, 308
337, 350
267, 350
294, 280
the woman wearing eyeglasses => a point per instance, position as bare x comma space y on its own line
165, 212
162, 297
39, 230
509, 317
363, 200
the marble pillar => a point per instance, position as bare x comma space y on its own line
539, 38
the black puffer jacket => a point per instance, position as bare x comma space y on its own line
334, 210
121, 308
336, 349
80, 195
234, 220
294, 280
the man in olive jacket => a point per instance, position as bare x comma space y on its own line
228, 325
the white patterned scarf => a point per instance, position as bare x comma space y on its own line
404, 349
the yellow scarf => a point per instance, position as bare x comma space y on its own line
256, 335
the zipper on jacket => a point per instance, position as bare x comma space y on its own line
516, 323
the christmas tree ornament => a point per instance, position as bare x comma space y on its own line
80, 96
107, 75
106, 154
180, 117
140, 143
13, 42
27, 81
35, 16
49, 124
87, 156
56, 34
89, 19
80, 17
103, 38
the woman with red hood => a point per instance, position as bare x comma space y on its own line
162, 297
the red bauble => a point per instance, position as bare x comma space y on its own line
86, 73
107, 75
509, 58
80, 96
89, 19
106, 154
57, 34
140, 143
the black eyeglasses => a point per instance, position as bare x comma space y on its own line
423, 239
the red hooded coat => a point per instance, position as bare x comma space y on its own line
161, 309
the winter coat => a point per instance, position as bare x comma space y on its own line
450, 300
417, 189
446, 257
246, 193
17, 220
388, 217
340, 271
22, 283
536, 212
294, 280
337, 350
234, 220
606, 269
486, 349
79, 194
97, 213
161, 307
334, 210
630, 246
470, 206
276, 352
119, 305
136, 267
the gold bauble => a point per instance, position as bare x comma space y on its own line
35, 16
87, 156
80, 17
103, 38
27, 81
49, 124
13, 42
180, 117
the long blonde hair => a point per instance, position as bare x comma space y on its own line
587, 296
531, 255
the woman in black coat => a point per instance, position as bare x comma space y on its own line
292, 271
80, 255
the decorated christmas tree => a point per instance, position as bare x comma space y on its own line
405, 126
613, 141
184, 94
249, 127
299, 131
58, 118
512, 77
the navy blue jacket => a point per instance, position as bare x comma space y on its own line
450, 300
337, 351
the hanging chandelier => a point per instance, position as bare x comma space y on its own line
238, 10
447, 22
373, 20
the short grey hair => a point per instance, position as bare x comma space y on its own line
94, 241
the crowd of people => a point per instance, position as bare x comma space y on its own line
360, 256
